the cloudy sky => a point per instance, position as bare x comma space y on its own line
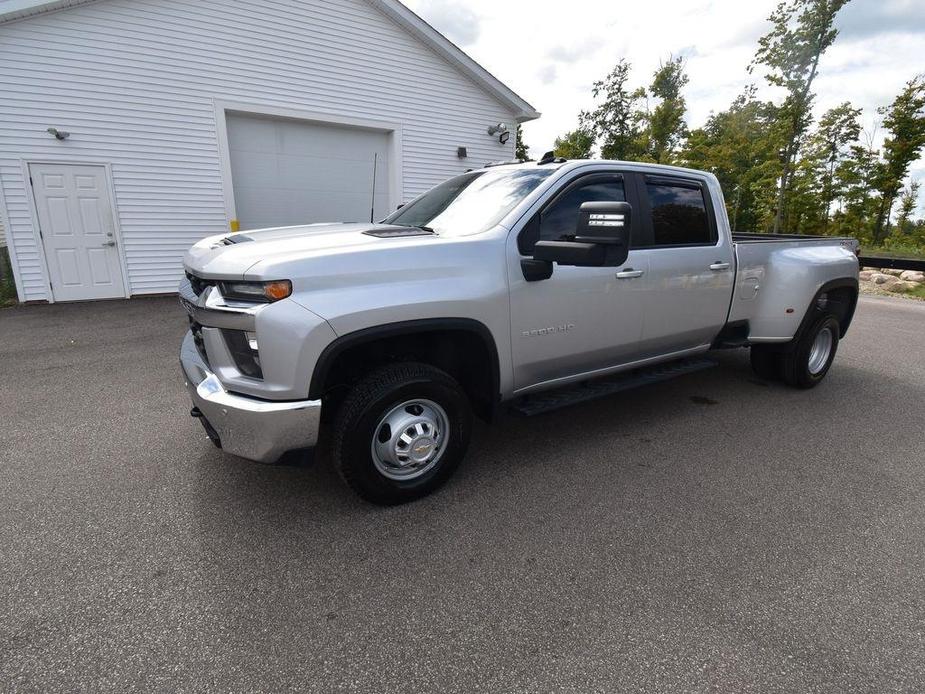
550, 53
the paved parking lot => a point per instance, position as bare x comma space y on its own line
710, 533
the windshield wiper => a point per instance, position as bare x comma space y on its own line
423, 228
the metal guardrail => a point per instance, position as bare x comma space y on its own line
892, 263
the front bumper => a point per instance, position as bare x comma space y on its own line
259, 430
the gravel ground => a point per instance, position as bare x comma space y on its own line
713, 533
872, 289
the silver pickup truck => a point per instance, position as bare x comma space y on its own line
509, 284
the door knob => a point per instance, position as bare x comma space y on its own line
629, 273
109, 243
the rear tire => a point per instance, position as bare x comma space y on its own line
766, 361
401, 432
807, 360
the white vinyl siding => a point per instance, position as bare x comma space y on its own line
136, 83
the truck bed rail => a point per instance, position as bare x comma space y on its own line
750, 236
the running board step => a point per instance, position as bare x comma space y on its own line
531, 405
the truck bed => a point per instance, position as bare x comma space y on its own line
757, 237
776, 274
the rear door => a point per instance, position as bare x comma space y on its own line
581, 319
690, 265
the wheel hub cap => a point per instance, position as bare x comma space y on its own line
410, 439
820, 351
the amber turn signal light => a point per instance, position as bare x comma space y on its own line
277, 290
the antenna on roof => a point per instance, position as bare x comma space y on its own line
372, 202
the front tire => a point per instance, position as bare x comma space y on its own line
807, 361
401, 432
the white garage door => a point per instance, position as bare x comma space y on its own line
288, 172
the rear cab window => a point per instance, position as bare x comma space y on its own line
680, 212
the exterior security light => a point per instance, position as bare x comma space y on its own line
59, 134
497, 128
504, 137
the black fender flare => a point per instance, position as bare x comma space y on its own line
425, 325
849, 282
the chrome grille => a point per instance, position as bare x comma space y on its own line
198, 284
196, 330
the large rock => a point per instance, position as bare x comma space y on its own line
867, 274
893, 271
882, 279
913, 276
899, 286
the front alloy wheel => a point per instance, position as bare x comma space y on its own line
401, 432
410, 439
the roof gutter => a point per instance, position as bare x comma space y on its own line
12, 10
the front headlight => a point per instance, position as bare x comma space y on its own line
265, 292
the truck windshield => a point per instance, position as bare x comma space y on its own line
471, 203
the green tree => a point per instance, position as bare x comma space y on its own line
838, 128
521, 150
739, 147
905, 119
576, 144
666, 128
854, 177
616, 121
801, 32
907, 204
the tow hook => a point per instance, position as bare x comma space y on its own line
210, 430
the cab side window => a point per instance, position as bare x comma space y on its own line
558, 222
679, 213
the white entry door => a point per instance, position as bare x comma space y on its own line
78, 230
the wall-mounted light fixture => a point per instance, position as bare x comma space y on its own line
59, 134
501, 130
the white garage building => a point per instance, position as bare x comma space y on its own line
183, 118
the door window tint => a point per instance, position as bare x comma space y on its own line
560, 220
679, 214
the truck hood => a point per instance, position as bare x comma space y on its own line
232, 256
347, 276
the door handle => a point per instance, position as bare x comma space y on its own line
110, 244
629, 273
716, 267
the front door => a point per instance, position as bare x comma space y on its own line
581, 319
77, 227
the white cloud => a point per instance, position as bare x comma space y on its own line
548, 73
551, 53
457, 22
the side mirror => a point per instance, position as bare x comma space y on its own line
607, 223
602, 238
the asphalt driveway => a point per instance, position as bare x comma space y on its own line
710, 533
